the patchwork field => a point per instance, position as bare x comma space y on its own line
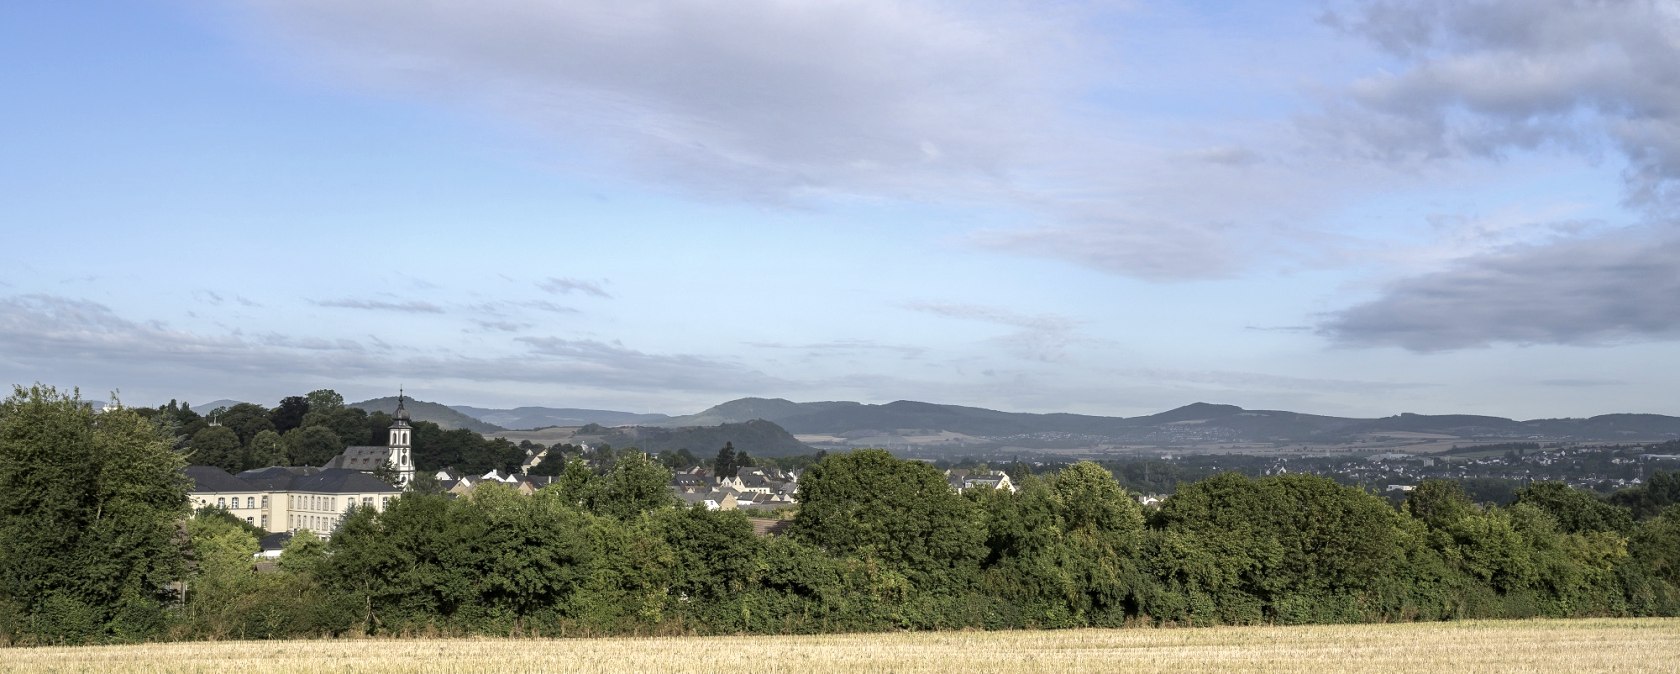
1642, 645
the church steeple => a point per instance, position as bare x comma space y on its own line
400, 443
401, 414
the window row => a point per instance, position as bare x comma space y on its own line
250, 502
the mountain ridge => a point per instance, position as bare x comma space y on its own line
1195, 422
420, 410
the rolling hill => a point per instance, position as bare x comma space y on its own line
1196, 423
543, 417
757, 437
420, 410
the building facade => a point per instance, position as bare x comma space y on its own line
281, 499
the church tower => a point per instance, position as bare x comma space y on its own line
401, 444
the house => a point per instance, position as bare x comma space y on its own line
272, 545
713, 500
961, 479
764, 481
282, 499
689, 483
533, 458
524, 484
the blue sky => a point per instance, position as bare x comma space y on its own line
1102, 207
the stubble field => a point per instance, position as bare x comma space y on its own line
1634, 645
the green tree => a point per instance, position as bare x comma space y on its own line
216, 446
1089, 499
312, 446
724, 466
1576, 511
635, 485
387, 474
1661, 490
326, 409
303, 553
1296, 535
221, 577
246, 419
89, 504
378, 428
1439, 503
289, 414
265, 449
870, 504
324, 400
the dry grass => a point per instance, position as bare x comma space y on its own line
1645, 645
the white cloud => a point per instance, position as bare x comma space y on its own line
1492, 77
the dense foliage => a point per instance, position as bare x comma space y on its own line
879, 543
90, 504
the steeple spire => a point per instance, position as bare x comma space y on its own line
401, 414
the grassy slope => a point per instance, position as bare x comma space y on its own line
1623, 645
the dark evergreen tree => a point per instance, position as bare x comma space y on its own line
724, 466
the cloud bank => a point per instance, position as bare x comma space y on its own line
1579, 292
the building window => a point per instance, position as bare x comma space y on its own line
265, 522
265, 501
384, 501
248, 521
250, 501
221, 502
367, 501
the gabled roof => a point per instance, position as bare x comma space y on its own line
361, 457
275, 478
275, 541
211, 478
330, 481
340, 480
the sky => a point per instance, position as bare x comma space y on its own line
1116, 208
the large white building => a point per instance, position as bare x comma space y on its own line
286, 499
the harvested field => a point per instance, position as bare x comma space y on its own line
1632, 645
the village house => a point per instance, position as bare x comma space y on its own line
961, 479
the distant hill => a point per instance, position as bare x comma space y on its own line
419, 410
206, 408
757, 438
747, 409
542, 417
1200, 423
1196, 423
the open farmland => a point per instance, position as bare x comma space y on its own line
1630, 645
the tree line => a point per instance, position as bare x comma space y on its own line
309, 430
878, 543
